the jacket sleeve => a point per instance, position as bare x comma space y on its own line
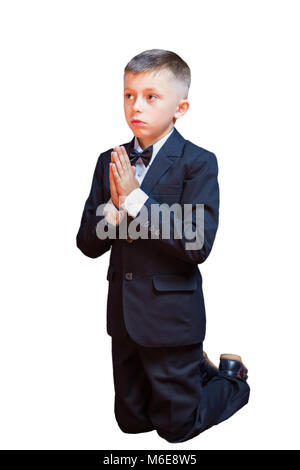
87, 240
200, 187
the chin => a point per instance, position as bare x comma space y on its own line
137, 131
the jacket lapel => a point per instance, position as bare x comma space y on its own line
166, 156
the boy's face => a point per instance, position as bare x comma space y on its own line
156, 99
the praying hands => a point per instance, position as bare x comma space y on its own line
122, 178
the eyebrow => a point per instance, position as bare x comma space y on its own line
145, 89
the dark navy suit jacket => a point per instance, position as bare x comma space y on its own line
155, 285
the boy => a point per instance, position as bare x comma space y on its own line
163, 379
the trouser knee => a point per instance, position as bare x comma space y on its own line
133, 429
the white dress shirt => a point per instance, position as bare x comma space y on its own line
137, 198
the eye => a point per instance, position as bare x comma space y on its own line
127, 94
153, 96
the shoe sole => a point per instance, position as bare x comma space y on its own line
235, 357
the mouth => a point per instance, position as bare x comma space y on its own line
137, 122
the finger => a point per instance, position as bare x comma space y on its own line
121, 158
113, 188
116, 175
126, 158
116, 161
111, 178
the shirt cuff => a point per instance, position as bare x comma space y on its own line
112, 214
135, 201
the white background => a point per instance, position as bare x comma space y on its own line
61, 78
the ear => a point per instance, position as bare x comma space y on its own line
182, 108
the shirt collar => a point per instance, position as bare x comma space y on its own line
156, 147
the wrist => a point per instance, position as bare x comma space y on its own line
115, 205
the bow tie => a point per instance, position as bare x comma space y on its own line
145, 156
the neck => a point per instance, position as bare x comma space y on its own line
147, 141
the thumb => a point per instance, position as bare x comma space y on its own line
133, 169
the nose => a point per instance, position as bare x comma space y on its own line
137, 105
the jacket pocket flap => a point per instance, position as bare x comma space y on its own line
174, 282
164, 188
110, 272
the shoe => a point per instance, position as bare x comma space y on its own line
208, 369
231, 365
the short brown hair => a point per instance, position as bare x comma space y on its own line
161, 59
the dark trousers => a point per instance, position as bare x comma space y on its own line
161, 389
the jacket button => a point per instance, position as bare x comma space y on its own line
128, 276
